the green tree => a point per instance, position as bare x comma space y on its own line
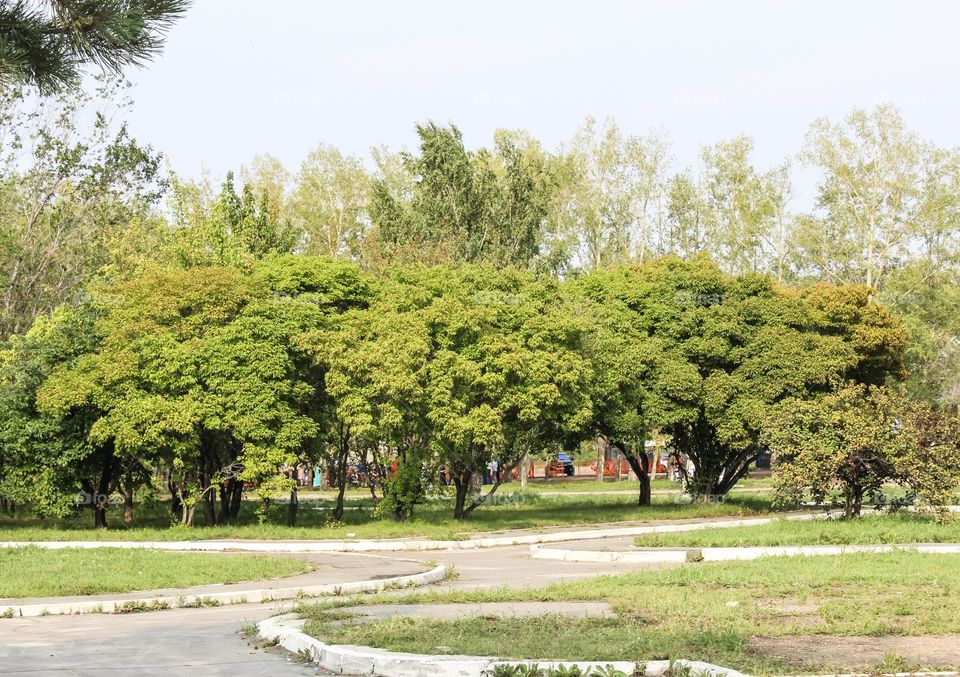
228, 229
638, 380
70, 195
613, 204
331, 203
858, 438
483, 206
506, 377
376, 373
752, 345
46, 44
47, 460
847, 441
872, 195
202, 371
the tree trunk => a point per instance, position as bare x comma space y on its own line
175, 502
236, 499
128, 490
524, 471
463, 482
600, 445
186, 513
101, 496
99, 515
640, 465
854, 502
292, 508
223, 491
646, 495
209, 508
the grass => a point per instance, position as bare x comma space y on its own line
432, 520
705, 611
867, 530
612, 485
37, 572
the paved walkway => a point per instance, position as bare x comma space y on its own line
207, 641
189, 642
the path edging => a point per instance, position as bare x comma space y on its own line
287, 632
259, 595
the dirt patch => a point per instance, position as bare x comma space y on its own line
859, 653
789, 606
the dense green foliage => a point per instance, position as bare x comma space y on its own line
857, 439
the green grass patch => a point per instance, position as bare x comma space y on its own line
612, 485
702, 611
878, 529
37, 572
432, 520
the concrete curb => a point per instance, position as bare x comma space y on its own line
131, 604
675, 555
413, 546
287, 631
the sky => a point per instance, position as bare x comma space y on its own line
243, 77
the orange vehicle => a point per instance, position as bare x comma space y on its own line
610, 468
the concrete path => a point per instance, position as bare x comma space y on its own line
206, 641
189, 642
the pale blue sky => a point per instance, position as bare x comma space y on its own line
241, 77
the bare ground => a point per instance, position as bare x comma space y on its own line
860, 653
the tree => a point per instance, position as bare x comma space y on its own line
856, 439
47, 460
457, 367
483, 206
930, 461
203, 371
69, 202
747, 209
637, 380
316, 296
870, 197
506, 376
227, 229
376, 370
734, 212
331, 203
613, 204
46, 44
752, 345
848, 440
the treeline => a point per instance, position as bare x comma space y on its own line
215, 376
450, 307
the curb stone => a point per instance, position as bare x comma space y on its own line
122, 605
287, 631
